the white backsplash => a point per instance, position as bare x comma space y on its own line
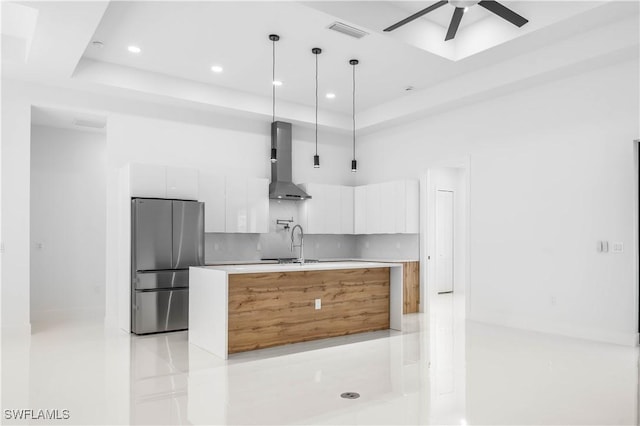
388, 246
277, 243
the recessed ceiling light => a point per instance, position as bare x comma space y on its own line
134, 49
277, 83
97, 44
216, 68
331, 95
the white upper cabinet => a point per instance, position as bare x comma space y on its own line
387, 208
212, 193
329, 211
258, 205
148, 180
360, 210
158, 181
346, 209
182, 183
247, 205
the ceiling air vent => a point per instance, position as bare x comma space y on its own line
346, 29
88, 123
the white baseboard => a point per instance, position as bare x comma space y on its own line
91, 314
557, 328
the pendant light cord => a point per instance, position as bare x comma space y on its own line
353, 111
316, 104
273, 79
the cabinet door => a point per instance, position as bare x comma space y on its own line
314, 207
412, 203
388, 207
212, 193
258, 205
182, 183
236, 215
332, 210
148, 180
374, 224
346, 209
360, 210
400, 206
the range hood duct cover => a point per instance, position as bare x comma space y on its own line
281, 186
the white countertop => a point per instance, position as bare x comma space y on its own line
293, 267
333, 260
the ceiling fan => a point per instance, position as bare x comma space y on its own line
461, 6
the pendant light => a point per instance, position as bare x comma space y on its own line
273, 38
354, 163
316, 158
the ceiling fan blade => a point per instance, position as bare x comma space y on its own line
455, 23
503, 12
416, 15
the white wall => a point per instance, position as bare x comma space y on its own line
551, 172
68, 205
16, 127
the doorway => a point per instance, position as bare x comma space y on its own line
67, 218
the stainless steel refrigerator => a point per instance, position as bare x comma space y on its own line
167, 237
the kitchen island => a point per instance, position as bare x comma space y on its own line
236, 308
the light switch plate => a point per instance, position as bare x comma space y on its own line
318, 304
618, 247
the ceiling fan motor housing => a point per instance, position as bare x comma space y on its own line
463, 3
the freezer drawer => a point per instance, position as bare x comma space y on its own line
161, 280
160, 310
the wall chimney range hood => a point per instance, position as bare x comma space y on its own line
281, 186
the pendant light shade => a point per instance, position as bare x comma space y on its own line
316, 158
273, 38
354, 163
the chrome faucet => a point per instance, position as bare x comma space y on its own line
301, 245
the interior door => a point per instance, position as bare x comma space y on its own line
152, 234
188, 234
444, 241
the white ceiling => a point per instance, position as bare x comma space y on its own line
181, 40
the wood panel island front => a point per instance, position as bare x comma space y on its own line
236, 308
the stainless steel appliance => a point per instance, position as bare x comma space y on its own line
167, 237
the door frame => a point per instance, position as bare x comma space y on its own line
636, 233
427, 235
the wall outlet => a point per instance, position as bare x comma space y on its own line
553, 301
318, 304
216, 246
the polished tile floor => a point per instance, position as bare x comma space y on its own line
443, 371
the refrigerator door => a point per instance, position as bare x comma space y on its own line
152, 235
162, 310
188, 234
161, 279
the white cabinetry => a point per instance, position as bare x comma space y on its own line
346, 209
148, 180
212, 193
360, 210
247, 205
182, 183
387, 208
329, 211
158, 181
